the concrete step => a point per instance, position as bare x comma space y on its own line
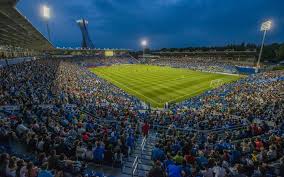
146, 166
141, 167
146, 148
144, 157
125, 175
139, 173
145, 161
144, 152
128, 164
127, 171
131, 159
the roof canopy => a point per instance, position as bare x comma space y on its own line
16, 30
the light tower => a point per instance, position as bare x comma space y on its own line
46, 16
144, 44
265, 26
86, 40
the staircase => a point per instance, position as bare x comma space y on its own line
139, 162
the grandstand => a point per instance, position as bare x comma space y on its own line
79, 112
16, 30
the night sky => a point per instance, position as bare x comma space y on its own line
165, 23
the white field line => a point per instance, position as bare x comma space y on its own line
192, 93
166, 87
131, 89
172, 100
158, 103
221, 73
186, 95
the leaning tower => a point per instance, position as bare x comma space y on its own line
86, 40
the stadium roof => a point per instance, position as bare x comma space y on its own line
17, 31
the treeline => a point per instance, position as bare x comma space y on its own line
241, 47
272, 52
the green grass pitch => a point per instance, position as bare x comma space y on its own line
157, 85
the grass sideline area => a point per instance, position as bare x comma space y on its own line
157, 85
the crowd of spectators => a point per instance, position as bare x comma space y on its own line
7, 51
44, 102
254, 97
107, 61
258, 153
251, 113
197, 63
42, 106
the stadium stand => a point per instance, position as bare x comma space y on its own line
196, 63
16, 30
105, 61
31, 97
58, 119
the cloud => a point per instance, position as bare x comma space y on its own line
167, 23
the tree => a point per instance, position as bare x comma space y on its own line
281, 52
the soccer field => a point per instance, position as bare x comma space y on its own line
157, 85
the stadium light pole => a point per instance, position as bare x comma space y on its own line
144, 44
46, 16
265, 26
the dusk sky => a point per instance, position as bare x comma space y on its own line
165, 23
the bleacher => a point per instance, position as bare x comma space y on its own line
59, 119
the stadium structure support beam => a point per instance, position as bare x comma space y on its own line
86, 40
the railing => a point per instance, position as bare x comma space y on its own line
135, 166
137, 160
143, 144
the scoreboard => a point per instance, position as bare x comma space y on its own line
109, 53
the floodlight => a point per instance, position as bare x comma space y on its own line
144, 43
46, 15
46, 11
265, 26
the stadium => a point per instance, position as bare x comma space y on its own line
119, 112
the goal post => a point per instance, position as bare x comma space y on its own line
216, 83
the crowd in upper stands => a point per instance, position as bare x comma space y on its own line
7, 51
101, 60
197, 63
67, 117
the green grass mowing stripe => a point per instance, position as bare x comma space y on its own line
196, 92
148, 98
185, 84
160, 93
162, 84
131, 90
134, 92
157, 85
131, 81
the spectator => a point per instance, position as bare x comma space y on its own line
44, 172
156, 170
